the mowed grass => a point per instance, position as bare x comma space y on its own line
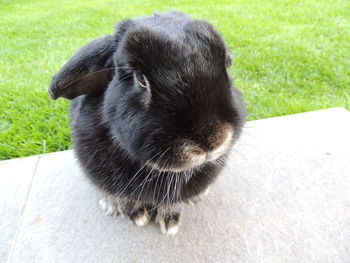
290, 56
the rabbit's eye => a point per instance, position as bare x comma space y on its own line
141, 79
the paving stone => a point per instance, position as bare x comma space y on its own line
283, 197
15, 178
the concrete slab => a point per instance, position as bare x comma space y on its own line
15, 180
283, 197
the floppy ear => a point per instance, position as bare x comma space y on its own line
84, 72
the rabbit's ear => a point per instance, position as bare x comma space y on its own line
87, 72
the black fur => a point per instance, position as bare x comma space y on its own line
118, 127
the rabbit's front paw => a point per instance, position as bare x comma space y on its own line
109, 205
139, 212
140, 216
168, 220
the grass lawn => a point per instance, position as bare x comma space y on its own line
290, 56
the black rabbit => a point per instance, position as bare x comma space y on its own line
153, 113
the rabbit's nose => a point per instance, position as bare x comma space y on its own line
221, 148
195, 154
195, 151
210, 149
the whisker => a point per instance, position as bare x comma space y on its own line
156, 184
144, 180
161, 185
135, 175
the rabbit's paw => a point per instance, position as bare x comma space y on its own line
168, 220
109, 205
140, 216
139, 212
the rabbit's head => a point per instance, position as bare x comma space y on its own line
168, 100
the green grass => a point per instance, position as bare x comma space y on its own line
290, 56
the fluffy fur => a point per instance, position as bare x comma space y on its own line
156, 144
